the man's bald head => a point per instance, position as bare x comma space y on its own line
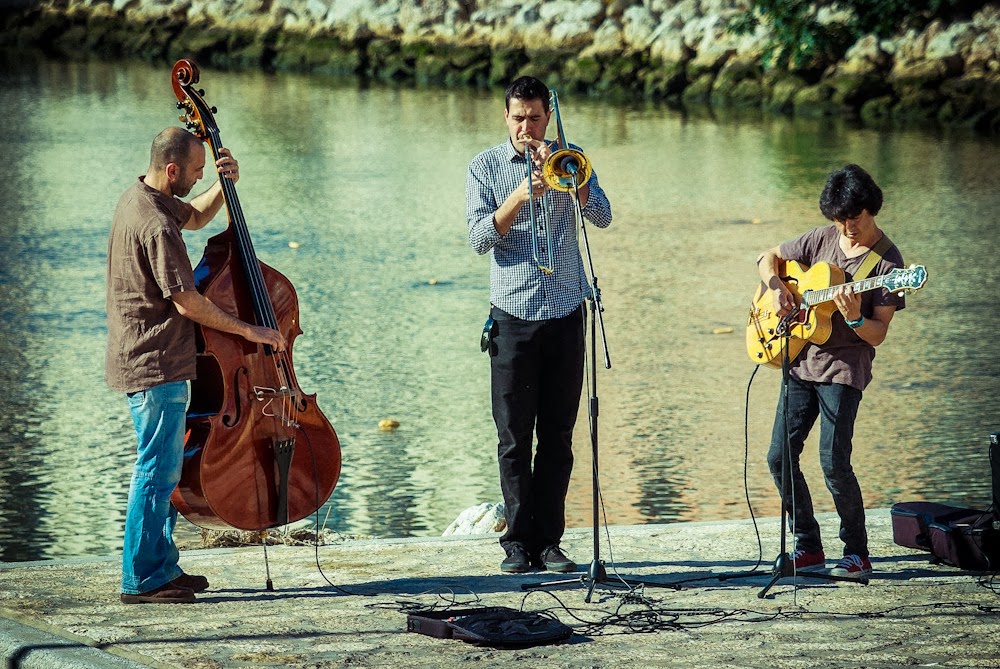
173, 145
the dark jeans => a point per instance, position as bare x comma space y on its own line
536, 377
836, 406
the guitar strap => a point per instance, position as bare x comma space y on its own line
874, 255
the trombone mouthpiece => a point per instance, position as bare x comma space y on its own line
525, 137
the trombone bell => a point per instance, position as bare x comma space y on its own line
566, 169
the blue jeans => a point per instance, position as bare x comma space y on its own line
836, 406
150, 557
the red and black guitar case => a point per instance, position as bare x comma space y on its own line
963, 538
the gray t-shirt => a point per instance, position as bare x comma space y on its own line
149, 342
845, 358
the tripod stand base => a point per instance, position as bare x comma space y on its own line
596, 575
784, 567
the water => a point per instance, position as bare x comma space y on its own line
370, 184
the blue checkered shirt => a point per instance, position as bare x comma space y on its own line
517, 284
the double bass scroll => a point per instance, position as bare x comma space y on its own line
258, 451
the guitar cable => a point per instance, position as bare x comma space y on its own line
746, 466
746, 484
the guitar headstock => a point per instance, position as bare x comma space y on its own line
198, 116
905, 280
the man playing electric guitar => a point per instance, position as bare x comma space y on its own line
826, 381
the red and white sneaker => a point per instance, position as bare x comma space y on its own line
802, 559
853, 566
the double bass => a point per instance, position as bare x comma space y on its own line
258, 452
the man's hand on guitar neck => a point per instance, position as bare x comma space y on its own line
848, 302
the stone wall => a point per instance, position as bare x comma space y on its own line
677, 51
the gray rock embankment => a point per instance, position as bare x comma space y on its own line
678, 51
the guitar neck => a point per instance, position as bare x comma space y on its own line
812, 297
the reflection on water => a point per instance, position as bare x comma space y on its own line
370, 184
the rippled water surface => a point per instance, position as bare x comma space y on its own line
369, 183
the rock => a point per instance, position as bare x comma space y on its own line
607, 40
877, 110
984, 55
864, 58
681, 51
815, 101
951, 42
638, 26
482, 519
735, 72
784, 88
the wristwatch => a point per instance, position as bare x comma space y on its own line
854, 325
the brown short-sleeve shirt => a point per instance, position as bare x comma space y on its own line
149, 342
845, 358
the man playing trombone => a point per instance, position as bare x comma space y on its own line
535, 335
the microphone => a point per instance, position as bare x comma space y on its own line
569, 165
789, 319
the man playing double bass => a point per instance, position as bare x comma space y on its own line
152, 307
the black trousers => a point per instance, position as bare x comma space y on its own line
536, 377
836, 406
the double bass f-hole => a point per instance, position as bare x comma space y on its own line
231, 421
241, 467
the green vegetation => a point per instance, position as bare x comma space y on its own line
800, 41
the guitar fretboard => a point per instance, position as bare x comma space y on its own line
812, 297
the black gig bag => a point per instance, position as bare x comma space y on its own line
497, 626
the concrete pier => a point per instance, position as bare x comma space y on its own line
344, 605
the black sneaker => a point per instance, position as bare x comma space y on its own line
553, 559
517, 561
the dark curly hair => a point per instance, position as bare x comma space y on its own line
848, 191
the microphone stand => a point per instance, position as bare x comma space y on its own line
597, 573
784, 566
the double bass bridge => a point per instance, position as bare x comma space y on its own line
288, 398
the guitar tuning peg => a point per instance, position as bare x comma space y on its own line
214, 110
180, 105
201, 92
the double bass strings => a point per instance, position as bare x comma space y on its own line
289, 409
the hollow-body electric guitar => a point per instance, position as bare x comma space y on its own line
813, 289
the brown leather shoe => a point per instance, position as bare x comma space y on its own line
191, 582
168, 593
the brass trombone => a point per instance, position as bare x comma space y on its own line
566, 169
